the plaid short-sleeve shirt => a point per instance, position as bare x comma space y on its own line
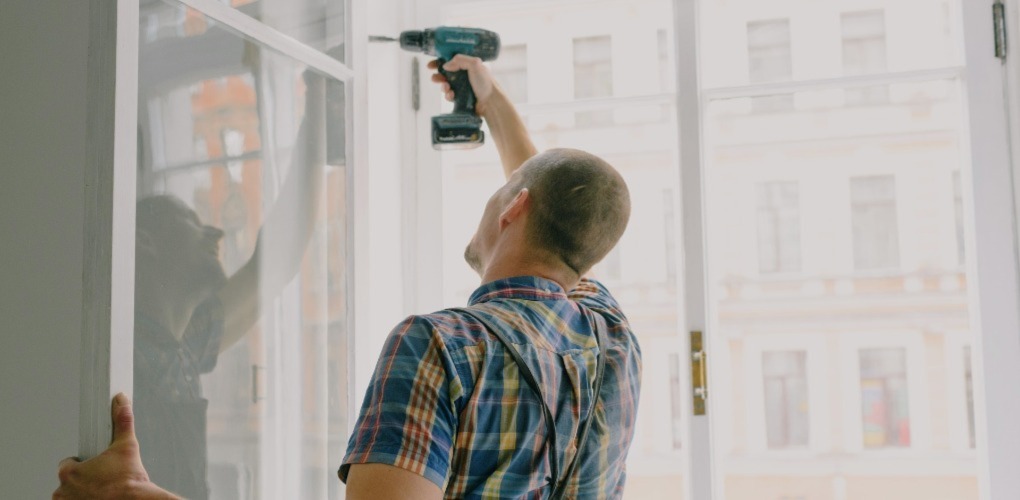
447, 402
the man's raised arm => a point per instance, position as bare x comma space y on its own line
506, 127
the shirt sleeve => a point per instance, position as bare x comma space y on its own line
204, 334
594, 295
408, 419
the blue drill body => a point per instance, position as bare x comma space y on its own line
462, 128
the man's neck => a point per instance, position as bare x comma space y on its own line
170, 310
512, 264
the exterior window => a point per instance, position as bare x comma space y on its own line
511, 71
786, 398
884, 400
961, 248
667, 75
769, 60
593, 77
864, 54
778, 227
968, 381
669, 230
676, 403
875, 231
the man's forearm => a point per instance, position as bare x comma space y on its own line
508, 131
288, 227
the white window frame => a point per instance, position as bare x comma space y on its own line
108, 336
993, 266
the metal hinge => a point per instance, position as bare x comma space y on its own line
699, 373
415, 84
999, 17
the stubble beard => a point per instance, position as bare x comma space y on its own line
472, 258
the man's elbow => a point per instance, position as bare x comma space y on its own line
385, 482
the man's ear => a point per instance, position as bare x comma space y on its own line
517, 207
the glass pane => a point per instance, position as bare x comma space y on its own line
571, 51
753, 42
833, 256
317, 23
241, 278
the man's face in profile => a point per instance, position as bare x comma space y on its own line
182, 247
479, 249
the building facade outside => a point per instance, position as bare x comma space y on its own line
840, 336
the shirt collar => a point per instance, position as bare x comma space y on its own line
518, 287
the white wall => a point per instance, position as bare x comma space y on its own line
43, 48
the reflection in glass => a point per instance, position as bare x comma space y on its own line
240, 330
317, 23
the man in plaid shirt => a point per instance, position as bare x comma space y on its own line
447, 413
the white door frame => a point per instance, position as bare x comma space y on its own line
698, 475
993, 273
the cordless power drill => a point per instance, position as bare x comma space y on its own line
461, 129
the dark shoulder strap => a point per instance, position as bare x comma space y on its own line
557, 482
600, 371
532, 382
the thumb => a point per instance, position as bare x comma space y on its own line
123, 419
462, 62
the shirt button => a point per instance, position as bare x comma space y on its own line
187, 377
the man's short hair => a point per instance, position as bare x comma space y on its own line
151, 211
580, 206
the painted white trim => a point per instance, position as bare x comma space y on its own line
764, 89
271, 38
993, 272
107, 338
700, 480
426, 231
1013, 97
358, 237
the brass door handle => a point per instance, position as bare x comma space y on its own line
699, 373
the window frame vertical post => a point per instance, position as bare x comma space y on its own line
993, 267
700, 481
107, 341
